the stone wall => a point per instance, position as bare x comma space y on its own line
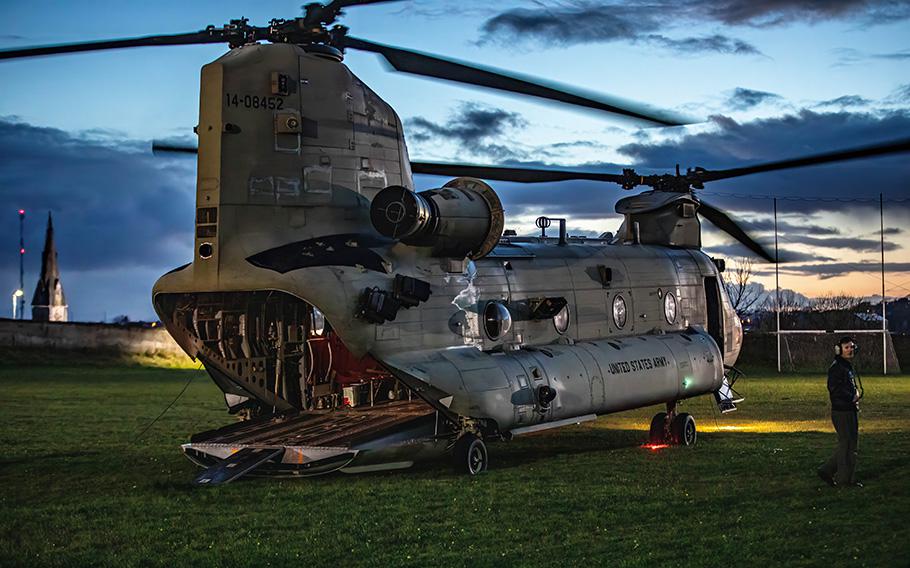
136, 340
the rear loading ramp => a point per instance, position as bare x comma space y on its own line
387, 436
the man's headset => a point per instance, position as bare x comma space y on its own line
838, 349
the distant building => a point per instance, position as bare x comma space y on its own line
48, 301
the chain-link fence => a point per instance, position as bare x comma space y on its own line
812, 351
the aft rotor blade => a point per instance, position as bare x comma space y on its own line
418, 63
177, 39
326, 14
882, 149
520, 175
336, 5
159, 147
723, 222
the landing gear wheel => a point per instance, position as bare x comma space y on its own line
658, 433
470, 455
683, 430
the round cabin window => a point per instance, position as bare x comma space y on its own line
497, 321
561, 320
670, 307
619, 311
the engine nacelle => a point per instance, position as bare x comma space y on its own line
462, 218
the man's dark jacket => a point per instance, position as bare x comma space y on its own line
841, 384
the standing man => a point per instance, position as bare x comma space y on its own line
840, 469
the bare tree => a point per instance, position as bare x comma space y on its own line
791, 301
835, 302
743, 296
832, 311
793, 306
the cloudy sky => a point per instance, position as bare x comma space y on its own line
763, 80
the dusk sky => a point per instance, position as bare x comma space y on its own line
763, 80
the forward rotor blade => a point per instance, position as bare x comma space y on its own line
161, 147
723, 222
177, 39
882, 149
520, 175
418, 63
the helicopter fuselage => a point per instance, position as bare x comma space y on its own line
292, 150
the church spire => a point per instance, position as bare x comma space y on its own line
48, 301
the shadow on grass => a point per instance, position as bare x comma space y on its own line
167, 472
520, 452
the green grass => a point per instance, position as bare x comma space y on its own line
78, 488
30, 356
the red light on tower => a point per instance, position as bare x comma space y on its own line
22, 251
22, 212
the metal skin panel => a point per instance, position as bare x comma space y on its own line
658, 219
691, 302
589, 377
257, 184
592, 314
539, 278
628, 381
251, 178
208, 170
522, 398
648, 269
570, 377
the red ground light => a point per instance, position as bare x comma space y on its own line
655, 447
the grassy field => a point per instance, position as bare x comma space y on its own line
77, 487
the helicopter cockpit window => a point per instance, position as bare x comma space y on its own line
497, 321
619, 311
561, 320
670, 307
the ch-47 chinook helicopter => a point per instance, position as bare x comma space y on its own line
358, 325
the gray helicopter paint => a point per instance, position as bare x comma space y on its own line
660, 217
338, 174
246, 229
274, 185
457, 303
589, 377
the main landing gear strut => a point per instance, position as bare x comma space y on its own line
673, 428
469, 453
